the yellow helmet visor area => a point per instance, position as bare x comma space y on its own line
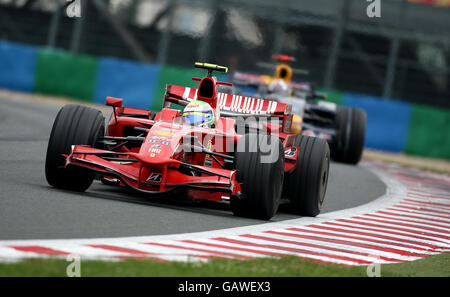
284, 72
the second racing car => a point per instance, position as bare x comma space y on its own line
344, 128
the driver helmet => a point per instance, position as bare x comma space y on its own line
279, 86
199, 113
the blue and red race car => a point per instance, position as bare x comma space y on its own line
343, 127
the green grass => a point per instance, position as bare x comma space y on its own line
438, 265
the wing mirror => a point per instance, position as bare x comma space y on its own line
114, 102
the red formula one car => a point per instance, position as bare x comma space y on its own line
243, 151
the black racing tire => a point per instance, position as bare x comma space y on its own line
307, 184
259, 161
351, 132
73, 125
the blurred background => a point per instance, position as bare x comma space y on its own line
395, 66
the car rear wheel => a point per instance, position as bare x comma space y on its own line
307, 184
74, 125
351, 127
259, 162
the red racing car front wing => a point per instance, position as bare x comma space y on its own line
152, 177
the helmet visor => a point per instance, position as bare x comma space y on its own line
195, 118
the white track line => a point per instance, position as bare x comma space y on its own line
326, 244
355, 239
418, 216
424, 222
384, 235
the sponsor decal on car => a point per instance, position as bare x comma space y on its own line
154, 177
156, 137
154, 150
165, 132
290, 152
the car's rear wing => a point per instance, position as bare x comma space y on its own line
229, 104
255, 80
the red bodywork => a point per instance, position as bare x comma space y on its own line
161, 163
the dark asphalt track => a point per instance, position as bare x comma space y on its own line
31, 209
